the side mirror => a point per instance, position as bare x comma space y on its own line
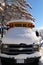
41, 45
37, 33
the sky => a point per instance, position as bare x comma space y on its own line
37, 12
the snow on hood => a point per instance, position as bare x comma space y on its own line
19, 35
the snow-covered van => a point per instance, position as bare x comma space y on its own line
20, 44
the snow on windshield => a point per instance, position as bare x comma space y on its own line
20, 34
17, 32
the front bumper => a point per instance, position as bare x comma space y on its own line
12, 61
28, 58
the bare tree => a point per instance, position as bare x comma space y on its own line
16, 9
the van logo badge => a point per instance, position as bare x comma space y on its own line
20, 48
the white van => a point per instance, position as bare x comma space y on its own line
20, 45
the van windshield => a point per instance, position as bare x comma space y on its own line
20, 32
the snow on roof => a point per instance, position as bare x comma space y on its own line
20, 21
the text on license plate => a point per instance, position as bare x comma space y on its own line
20, 60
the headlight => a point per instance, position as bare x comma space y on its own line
4, 46
36, 47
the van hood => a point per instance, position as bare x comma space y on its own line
20, 35
19, 40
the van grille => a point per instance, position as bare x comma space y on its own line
15, 49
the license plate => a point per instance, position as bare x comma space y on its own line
20, 60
